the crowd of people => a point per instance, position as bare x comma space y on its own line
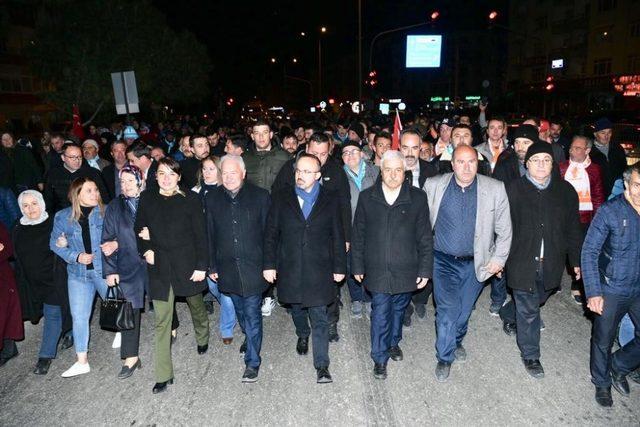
289, 211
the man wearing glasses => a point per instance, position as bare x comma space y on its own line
304, 250
59, 178
546, 229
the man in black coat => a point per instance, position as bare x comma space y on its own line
546, 229
59, 179
609, 155
236, 217
393, 252
191, 165
334, 179
139, 155
110, 173
304, 247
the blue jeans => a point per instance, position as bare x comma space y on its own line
626, 358
82, 291
357, 292
319, 330
51, 331
387, 312
455, 290
227, 312
498, 289
250, 319
627, 330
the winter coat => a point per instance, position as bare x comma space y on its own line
263, 166
11, 326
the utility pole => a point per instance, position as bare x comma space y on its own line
359, 71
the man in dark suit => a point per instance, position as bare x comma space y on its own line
236, 217
139, 155
304, 247
609, 155
110, 173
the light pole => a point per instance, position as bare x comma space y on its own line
322, 31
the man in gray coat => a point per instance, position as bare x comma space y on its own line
472, 236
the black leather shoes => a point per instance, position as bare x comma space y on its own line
250, 375
126, 371
395, 353
333, 333
67, 342
509, 328
324, 377
603, 397
442, 371
4, 360
620, 383
534, 368
160, 387
202, 349
303, 346
42, 367
380, 371
243, 347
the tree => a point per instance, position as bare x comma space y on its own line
79, 43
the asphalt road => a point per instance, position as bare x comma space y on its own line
490, 388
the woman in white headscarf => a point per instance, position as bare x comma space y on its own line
40, 293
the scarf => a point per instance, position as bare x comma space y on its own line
578, 177
308, 199
94, 163
132, 204
357, 179
43, 213
536, 183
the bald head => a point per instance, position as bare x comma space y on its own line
465, 164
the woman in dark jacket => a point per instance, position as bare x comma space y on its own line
11, 326
121, 264
40, 292
172, 238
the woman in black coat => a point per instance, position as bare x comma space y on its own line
121, 264
36, 266
172, 238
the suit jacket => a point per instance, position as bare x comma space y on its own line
427, 170
612, 166
110, 175
492, 239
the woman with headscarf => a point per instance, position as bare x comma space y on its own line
172, 238
81, 225
40, 292
121, 264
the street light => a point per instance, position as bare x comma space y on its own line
493, 15
273, 60
295, 60
434, 15
323, 29
303, 33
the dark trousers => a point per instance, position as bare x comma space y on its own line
131, 338
524, 311
455, 289
357, 291
625, 359
498, 289
577, 285
387, 312
421, 296
8, 348
250, 320
319, 330
333, 309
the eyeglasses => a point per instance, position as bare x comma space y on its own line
73, 157
305, 172
350, 153
545, 161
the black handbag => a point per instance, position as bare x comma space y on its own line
116, 313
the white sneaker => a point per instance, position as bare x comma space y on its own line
117, 340
268, 305
77, 369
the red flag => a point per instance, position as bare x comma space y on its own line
397, 127
77, 126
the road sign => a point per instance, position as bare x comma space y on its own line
125, 92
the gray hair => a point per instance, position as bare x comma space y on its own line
626, 175
235, 158
393, 155
586, 139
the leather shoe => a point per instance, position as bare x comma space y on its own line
243, 346
4, 360
603, 397
620, 383
202, 349
42, 367
67, 342
395, 353
227, 341
250, 375
509, 328
324, 377
303, 346
160, 387
442, 371
380, 371
534, 368
333, 333
126, 371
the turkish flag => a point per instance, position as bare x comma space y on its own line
397, 128
77, 126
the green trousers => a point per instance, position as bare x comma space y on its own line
164, 316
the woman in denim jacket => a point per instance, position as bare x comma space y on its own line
76, 236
